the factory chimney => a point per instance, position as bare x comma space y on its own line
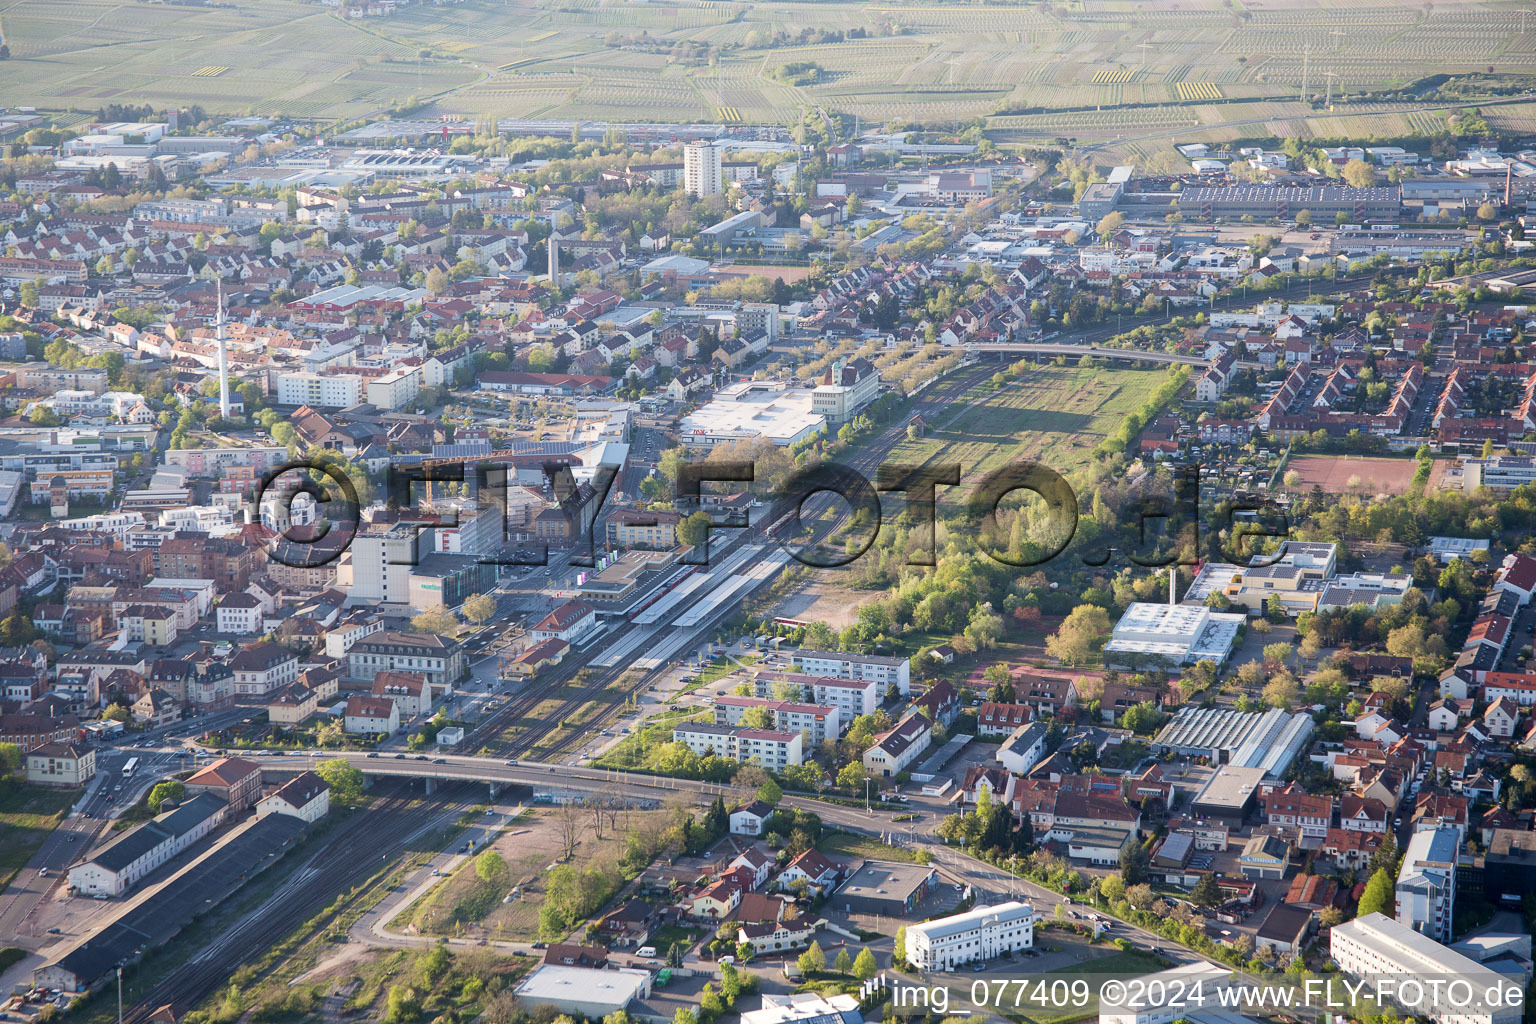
223, 360
1509, 183
1173, 586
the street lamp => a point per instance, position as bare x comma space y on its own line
866, 796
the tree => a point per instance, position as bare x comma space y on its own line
1380, 896
170, 789
843, 962
757, 718
479, 608
1109, 224
116, 713
694, 530
10, 758
1487, 212
1359, 174
813, 960
770, 793
436, 281
1080, 635
1206, 893
1133, 864
1304, 219
345, 780
864, 966
852, 775
439, 620
490, 867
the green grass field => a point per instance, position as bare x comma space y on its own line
846, 844
1125, 70
1053, 415
28, 814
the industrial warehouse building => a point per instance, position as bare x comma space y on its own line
165, 912
1168, 636
1283, 202
1268, 740
116, 867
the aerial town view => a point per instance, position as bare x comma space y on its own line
777, 512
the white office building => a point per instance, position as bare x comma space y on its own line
1377, 949
1426, 883
978, 934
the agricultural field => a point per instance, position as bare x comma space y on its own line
1107, 67
1053, 415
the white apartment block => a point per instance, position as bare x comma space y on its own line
319, 390
978, 934
868, 667
815, 721
1378, 949
1426, 883
768, 748
395, 389
853, 697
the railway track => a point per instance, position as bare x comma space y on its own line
344, 862
864, 461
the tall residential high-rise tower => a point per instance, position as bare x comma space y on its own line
702, 170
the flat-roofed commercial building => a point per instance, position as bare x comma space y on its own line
978, 934
584, 991
1228, 795
886, 888
1374, 946
773, 410
1163, 636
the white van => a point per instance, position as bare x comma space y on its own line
646, 951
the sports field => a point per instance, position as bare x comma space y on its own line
1105, 69
1349, 474
1054, 415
